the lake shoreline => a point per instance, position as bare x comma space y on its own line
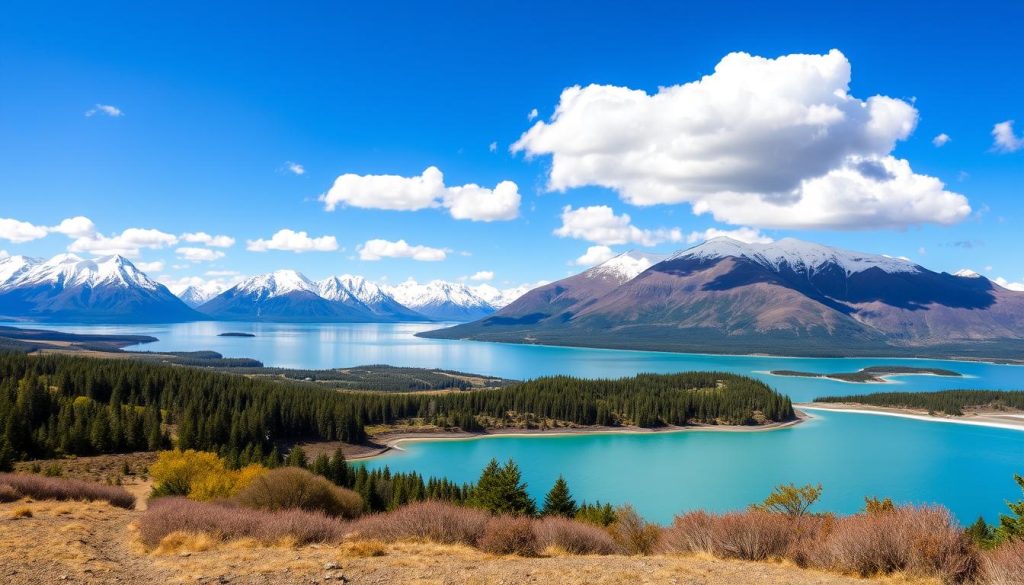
389, 441
991, 419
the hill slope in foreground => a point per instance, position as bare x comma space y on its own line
75, 542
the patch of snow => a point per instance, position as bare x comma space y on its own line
624, 267
798, 255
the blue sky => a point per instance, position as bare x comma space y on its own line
215, 100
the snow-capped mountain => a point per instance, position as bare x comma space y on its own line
13, 267
194, 295
796, 255
67, 287
787, 297
356, 289
284, 295
442, 301
624, 267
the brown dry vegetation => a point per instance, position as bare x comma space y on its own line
96, 543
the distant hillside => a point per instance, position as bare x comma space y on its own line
791, 297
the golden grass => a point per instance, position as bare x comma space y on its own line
22, 512
364, 548
185, 542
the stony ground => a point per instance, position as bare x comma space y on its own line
71, 542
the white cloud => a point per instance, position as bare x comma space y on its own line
483, 275
155, 266
533, 114
743, 234
399, 193
207, 239
599, 224
941, 140
199, 254
292, 241
760, 142
295, 168
75, 227
594, 256
1015, 286
112, 111
493, 147
127, 243
378, 249
4, 254
1005, 139
477, 203
20, 231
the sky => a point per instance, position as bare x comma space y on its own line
507, 142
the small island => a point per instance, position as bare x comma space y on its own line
235, 334
998, 408
871, 374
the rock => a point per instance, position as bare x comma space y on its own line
330, 566
185, 554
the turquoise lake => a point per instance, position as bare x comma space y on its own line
969, 469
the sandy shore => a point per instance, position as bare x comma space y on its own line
994, 419
385, 442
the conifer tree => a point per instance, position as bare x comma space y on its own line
500, 490
1012, 525
559, 501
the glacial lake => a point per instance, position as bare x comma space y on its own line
967, 468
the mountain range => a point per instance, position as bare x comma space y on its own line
788, 297
112, 289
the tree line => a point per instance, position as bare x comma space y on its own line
55, 405
950, 402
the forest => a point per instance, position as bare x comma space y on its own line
54, 405
950, 402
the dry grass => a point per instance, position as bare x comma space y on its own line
1005, 565
561, 535
179, 542
228, 522
509, 535
22, 512
287, 488
425, 521
919, 542
51, 488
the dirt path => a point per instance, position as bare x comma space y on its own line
95, 543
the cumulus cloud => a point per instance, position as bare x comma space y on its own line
394, 192
20, 231
594, 256
378, 249
295, 168
1015, 286
199, 254
155, 266
482, 276
108, 110
208, 240
533, 114
4, 254
744, 234
127, 243
599, 224
1005, 139
761, 142
941, 140
75, 227
292, 241
493, 147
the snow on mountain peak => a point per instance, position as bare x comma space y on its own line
350, 286
798, 255
14, 266
415, 295
966, 273
68, 270
277, 283
624, 267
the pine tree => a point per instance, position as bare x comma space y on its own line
559, 501
500, 490
297, 458
981, 533
1012, 526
